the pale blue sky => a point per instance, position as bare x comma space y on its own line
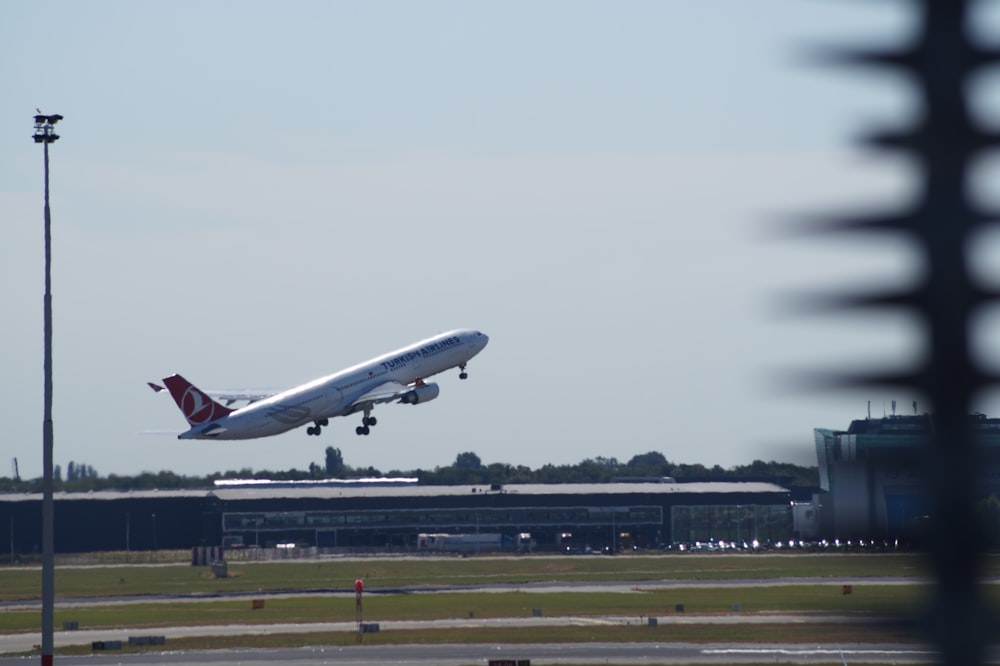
254, 194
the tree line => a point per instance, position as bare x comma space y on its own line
467, 469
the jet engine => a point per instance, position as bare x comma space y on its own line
422, 393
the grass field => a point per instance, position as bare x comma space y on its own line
394, 593
748, 635
339, 574
869, 600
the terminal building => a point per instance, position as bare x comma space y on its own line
362, 517
873, 474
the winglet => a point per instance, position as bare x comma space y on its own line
155, 387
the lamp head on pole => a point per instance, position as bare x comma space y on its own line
45, 128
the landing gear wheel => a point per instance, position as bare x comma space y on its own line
312, 431
323, 422
361, 430
463, 374
369, 421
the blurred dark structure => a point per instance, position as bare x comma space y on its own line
944, 144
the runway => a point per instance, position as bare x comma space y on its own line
653, 652
612, 654
21, 642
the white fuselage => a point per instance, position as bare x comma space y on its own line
338, 394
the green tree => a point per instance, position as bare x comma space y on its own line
334, 462
653, 459
468, 460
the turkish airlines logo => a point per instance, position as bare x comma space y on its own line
197, 406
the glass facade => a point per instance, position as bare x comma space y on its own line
399, 527
729, 522
424, 519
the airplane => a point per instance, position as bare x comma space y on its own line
394, 377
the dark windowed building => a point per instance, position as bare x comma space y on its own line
394, 517
874, 474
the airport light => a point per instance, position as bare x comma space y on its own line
45, 134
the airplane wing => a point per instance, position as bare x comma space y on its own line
412, 394
382, 393
229, 397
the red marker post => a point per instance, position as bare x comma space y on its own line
359, 587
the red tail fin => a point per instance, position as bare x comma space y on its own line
197, 406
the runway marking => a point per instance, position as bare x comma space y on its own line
801, 652
585, 621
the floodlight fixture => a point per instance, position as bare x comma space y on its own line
45, 128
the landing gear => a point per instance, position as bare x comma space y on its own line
367, 422
463, 374
317, 428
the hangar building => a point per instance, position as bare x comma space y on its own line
360, 516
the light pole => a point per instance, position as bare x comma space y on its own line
45, 134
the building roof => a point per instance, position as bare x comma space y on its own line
107, 495
230, 494
986, 430
332, 492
